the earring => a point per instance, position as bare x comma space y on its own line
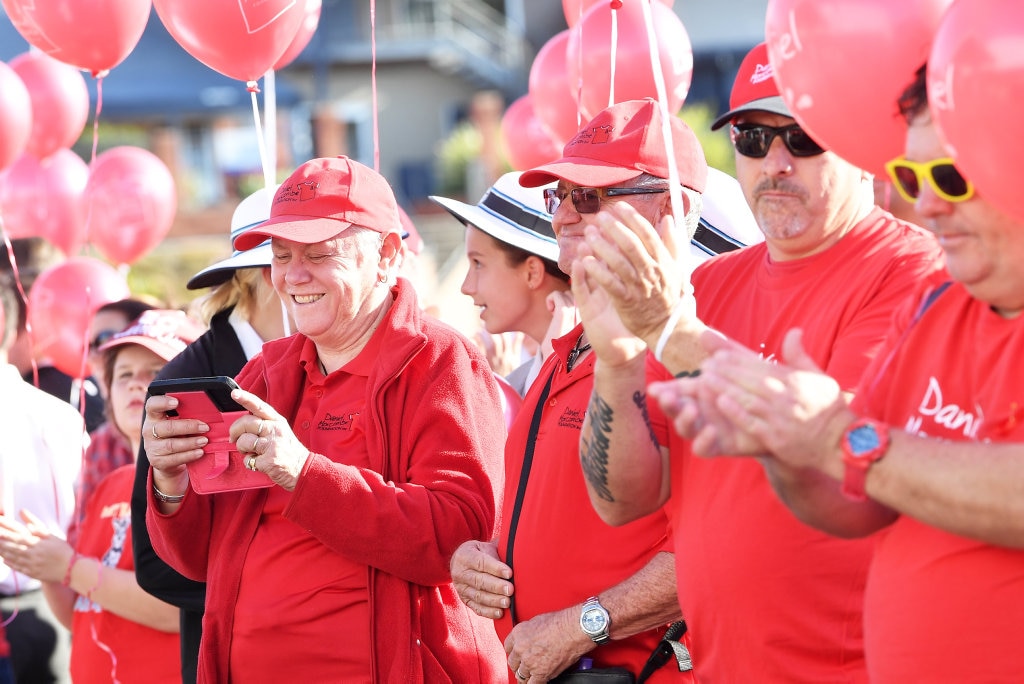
383, 278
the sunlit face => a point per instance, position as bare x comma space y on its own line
984, 246
801, 204
499, 288
134, 368
330, 287
568, 224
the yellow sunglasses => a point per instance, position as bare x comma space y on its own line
941, 174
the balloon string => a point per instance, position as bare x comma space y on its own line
579, 71
24, 301
95, 145
615, 5
674, 187
260, 143
270, 107
373, 84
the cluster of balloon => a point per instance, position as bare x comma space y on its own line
527, 142
842, 64
975, 80
571, 78
61, 304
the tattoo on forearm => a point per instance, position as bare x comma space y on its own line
688, 374
640, 399
594, 451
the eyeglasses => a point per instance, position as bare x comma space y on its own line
754, 140
588, 200
941, 174
102, 337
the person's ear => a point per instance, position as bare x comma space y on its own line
535, 271
390, 247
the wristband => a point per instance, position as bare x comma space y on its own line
166, 498
75, 557
670, 325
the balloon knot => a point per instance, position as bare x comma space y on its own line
102, 73
252, 87
616, 4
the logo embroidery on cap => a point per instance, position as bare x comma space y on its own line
300, 192
593, 136
762, 73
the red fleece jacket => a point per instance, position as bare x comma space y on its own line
436, 455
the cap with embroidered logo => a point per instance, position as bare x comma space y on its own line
324, 197
754, 89
620, 143
165, 332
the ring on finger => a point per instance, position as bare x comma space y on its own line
259, 428
250, 463
155, 436
522, 677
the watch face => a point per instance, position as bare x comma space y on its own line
593, 621
863, 439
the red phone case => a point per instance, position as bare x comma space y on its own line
222, 467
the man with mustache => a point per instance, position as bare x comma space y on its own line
767, 598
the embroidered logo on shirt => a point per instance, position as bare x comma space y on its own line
333, 422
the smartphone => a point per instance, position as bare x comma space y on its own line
217, 388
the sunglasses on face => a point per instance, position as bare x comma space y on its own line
102, 337
754, 140
941, 174
588, 200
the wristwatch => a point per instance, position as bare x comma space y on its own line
594, 621
864, 443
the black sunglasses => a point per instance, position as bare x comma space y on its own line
754, 140
102, 337
588, 200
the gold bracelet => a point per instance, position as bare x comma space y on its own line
166, 498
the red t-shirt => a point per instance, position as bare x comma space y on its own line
323, 592
767, 598
137, 653
563, 552
941, 607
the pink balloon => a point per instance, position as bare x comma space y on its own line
241, 39
527, 142
131, 200
975, 71
588, 55
306, 30
15, 116
44, 199
552, 94
60, 102
96, 35
61, 305
574, 9
842, 64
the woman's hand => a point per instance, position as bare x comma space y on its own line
170, 444
31, 550
267, 441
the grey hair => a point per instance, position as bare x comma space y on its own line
696, 201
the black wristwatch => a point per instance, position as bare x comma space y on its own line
594, 621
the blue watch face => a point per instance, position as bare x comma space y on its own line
593, 621
863, 439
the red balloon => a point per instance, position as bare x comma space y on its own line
44, 199
60, 102
976, 54
588, 55
574, 9
96, 35
130, 199
306, 30
241, 39
61, 304
15, 116
842, 64
553, 95
527, 142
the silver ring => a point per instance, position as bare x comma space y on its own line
155, 436
250, 463
259, 430
521, 677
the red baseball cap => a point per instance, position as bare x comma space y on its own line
754, 88
322, 198
620, 143
165, 332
